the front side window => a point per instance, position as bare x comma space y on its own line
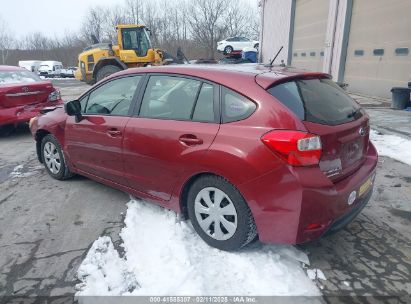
317, 100
113, 98
83, 103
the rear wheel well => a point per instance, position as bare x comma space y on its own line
186, 188
40, 134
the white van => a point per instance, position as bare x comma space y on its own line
50, 68
31, 65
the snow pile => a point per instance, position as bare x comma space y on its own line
164, 256
392, 146
110, 275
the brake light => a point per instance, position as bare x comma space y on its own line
55, 95
295, 147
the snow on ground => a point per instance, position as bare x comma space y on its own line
20, 171
392, 146
164, 256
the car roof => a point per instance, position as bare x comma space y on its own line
231, 75
7, 68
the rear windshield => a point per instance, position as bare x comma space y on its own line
12, 77
317, 100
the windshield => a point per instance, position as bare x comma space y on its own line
11, 77
317, 100
136, 39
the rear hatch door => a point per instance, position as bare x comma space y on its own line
328, 111
344, 147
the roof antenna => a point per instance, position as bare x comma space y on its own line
275, 57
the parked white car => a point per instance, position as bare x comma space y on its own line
50, 68
231, 44
68, 72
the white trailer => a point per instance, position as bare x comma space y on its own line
31, 65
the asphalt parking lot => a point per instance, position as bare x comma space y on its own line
47, 226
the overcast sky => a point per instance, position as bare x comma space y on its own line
51, 17
48, 16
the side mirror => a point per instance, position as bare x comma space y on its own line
73, 108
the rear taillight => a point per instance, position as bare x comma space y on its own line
55, 95
295, 147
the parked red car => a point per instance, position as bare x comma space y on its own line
23, 94
242, 151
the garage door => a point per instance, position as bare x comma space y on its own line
378, 55
310, 26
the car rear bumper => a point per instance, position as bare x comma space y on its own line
21, 114
303, 204
344, 220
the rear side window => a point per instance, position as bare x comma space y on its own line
317, 100
170, 97
235, 106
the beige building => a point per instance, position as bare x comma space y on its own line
364, 43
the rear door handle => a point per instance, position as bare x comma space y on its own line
113, 132
190, 140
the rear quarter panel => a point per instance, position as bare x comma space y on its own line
237, 153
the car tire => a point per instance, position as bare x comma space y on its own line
53, 158
228, 49
106, 71
237, 214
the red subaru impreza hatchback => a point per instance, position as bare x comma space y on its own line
243, 152
23, 94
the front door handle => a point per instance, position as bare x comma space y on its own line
190, 140
114, 132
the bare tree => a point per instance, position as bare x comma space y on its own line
36, 41
207, 22
151, 20
193, 25
113, 16
236, 20
93, 24
6, 41
135, 8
